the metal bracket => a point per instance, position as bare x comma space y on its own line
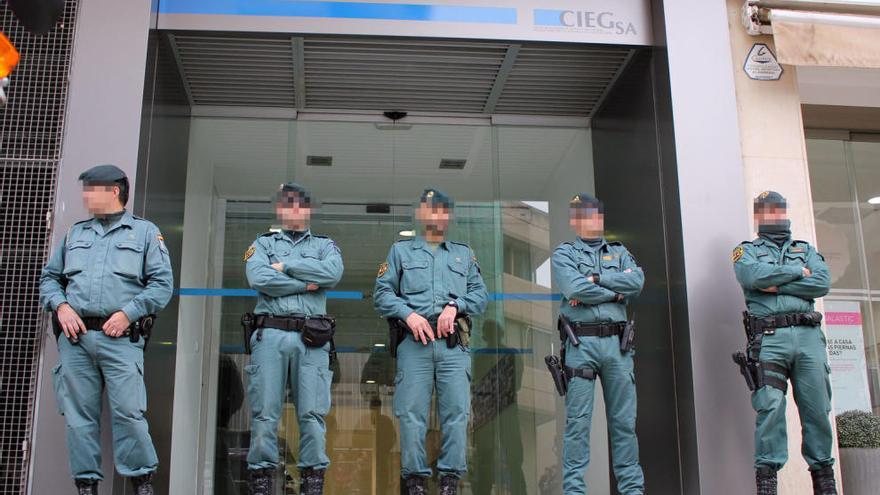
756, 19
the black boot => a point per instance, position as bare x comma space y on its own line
86, 487
415, 485
766, 480
449, 485
261, 481
823, 481
142, 485
312, 481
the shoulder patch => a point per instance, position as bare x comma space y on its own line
250, 252
737, 253
383, 267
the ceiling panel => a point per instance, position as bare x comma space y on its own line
374, 73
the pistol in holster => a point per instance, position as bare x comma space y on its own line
397, 331
462, 334
556, 366
249, 325
142, 327
749, 362
628, 336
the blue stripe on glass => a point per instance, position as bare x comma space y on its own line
546, 17
343, 10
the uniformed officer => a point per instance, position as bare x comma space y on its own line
597, 279
108, 275
426, 282
780, 278
291, 271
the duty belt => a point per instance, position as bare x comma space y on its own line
597, 329
286, 323
768, 324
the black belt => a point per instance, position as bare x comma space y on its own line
811, 319
597, 329
94, 322
286, 323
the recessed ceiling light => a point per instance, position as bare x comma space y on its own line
378, 345
875, 200
319, 161
407, 233
371, 381
452, 164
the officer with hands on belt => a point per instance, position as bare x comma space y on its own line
104, 284
781, 277
290, 340
427, 284
597, 279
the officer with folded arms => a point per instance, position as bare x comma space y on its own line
104, 284
290, 340
427, 283
597, 279
781, 277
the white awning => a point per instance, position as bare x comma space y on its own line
830, 40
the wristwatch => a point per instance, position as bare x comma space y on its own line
453, 304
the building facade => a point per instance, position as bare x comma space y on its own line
665, 110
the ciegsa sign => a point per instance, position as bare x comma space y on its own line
625, 22
605, 22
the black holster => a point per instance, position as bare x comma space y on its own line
248, 327
397, 331
462, 335
142, 327
557, 372
628, 336
563, 325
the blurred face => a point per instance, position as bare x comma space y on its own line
771, 215
293, 211
101, 199
434, 217
587, 222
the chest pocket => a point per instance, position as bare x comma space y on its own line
799, 259
416, 277
311, 255
457, 277
587, 266
765, 257
611, 262
127, 258
76, 257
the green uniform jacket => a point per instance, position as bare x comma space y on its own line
416, 279
761, 264
573, 262
98, 273
311, 259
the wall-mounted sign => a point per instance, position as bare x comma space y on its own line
846, 355
761, 64
625, 22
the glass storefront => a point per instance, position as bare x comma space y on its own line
845, 180
208, 184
